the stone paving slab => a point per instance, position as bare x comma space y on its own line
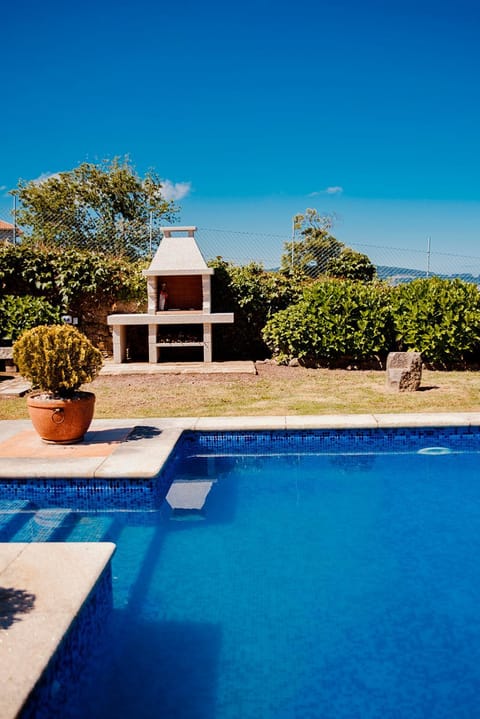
27, 443
111, 449
333, 421
429, 419
44, 586
126, 368
142, 454
14, 387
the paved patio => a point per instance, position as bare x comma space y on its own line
238, 367
42, 589
13, 385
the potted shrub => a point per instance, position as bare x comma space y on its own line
58, 359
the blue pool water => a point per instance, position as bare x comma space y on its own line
326, 575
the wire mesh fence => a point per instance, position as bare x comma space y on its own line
393, 264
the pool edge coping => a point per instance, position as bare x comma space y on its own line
29, 643
143, 457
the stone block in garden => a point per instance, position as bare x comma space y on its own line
404, 371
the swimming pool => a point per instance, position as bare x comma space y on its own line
325, 574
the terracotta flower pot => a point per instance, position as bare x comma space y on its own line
62, 421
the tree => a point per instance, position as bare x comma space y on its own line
104, 206
351, 265
311, 254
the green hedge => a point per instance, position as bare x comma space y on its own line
253, 295
330, 322
343, 321
22, 313
439, 318
63, 276
335, 321
44, 283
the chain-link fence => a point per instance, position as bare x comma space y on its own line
394, 264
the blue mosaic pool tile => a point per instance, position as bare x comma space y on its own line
324, 441
86, 494
58, 683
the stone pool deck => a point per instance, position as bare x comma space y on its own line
126, 448
60, 576
42, 589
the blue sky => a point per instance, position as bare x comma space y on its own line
254, 111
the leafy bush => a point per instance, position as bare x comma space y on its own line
18, 314
335, 320
439, 318
351, 265
253, 295
84, 284
56, 358
69, 276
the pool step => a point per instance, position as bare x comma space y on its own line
41, 525
187, 498
13, 515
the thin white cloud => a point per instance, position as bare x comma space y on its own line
175, 190
170, 190
334, 190
44, 177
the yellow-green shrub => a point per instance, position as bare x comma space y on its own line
56, 358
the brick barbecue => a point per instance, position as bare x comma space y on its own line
179, 300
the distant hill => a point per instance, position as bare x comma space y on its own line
399, 275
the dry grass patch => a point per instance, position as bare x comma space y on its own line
273, 391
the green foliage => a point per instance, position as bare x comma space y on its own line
351, 265
18, 314
25, 270
66, 277
311, 255
82, 283
345, 320
254, 295
56, 358
335, 320
104, 205
439, 318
